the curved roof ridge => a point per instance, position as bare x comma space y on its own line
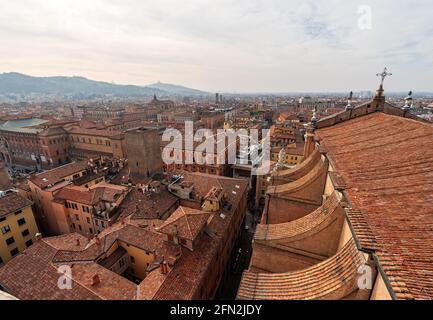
305, 165
334, 278
300, 183
299, 227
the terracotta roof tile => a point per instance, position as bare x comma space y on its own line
386, 162
334, 278
296, 228
12, 202
53, 176
186, 222
148, 205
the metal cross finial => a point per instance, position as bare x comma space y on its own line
383, 75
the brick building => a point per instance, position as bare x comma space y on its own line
41, 144
143, 256
143, 151
85, 143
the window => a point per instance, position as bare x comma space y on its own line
132, 259
88, 220
10, 241
79, 227
1, 261
25, 233
21, 221
29, 243
102, 224
6, 229
14, 252
91, 230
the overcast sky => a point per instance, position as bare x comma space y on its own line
222, 45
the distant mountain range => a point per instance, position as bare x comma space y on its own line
79, 87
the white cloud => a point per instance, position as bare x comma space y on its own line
221, 45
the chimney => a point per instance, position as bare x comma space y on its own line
161, 267
165, 266
96, 280
38, 236
78, 242
98, 241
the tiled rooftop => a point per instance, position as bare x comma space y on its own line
53, 176
334, 278
148, 205
386, 162
299, 226
37, 265
100, 192
95, 132
186, 222
12, 202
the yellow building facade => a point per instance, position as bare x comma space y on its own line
18, 227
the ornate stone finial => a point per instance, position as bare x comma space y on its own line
281, 156
314, 118
408, 102
349, 101
383, 75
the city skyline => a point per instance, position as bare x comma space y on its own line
246, 47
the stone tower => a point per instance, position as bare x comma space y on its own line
143, 151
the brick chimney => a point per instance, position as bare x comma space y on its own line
96, 280
161, 267
78, 242
38, 236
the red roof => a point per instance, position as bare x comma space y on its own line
186, 222
386, 164
53, 176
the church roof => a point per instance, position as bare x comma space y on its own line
385, 160
334, 278
299, 228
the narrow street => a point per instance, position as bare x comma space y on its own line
239, 261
